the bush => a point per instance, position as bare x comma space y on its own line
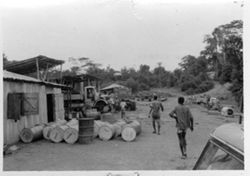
206, 85
203, 87
190, 91
143, 86
188, 85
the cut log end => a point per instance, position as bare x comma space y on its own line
26, 135
70, 135
56, 135
105, 133
128, 134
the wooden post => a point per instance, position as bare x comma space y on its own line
37, 69
46, 73
61, 73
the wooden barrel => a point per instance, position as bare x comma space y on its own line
118, 127
71, 134
97, 125
47, 129
131, 130
28, 135
86, 130
108, 117
57, 133
106, 132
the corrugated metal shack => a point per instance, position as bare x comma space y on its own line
29, 101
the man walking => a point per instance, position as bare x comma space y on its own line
184, 120
155, 108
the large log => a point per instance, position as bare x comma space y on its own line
118, 127
97, 125
57, 133
71, 134
28, 135
106, 132
227, 111
131, 130
47, 129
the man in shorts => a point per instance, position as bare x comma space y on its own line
155, 108
123, 108
184, 120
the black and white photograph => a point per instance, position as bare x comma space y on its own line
123, 87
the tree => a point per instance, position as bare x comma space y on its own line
216, 44
131, 83
224, 53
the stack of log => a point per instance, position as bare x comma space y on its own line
68, 131
58, 131
127, 130
47, 129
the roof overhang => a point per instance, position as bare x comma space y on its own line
30, 65
13, 77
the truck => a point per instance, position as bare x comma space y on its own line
84, 92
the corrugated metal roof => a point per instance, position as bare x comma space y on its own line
17, 77
14, 76
29, 65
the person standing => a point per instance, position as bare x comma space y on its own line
123, 108
155, 108
184, 120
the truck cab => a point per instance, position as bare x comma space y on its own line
224, 149
90, 94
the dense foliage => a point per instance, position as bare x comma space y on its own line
222, 55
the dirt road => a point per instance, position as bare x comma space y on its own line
149, 151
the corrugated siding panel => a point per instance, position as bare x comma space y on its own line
11, 128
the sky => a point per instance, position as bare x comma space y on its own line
118, 33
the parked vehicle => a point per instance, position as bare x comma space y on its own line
224, 149
131, 105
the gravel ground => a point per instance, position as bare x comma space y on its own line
149, 151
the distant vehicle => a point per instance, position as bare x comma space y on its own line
224, 149
202, 99
130, 105
145, 96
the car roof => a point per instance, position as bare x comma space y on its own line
231, 134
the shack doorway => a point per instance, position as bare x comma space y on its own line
50, 107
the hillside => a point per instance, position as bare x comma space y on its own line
219, 91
